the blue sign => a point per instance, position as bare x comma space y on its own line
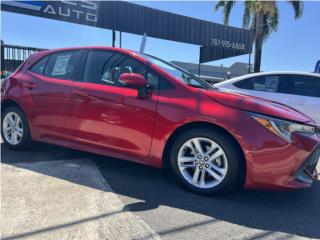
32, 5
317, 68
83, 12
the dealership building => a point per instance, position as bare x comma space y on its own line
213, 74
215, 41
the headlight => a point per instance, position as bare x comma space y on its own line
283, 128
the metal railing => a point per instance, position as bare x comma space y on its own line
13, 55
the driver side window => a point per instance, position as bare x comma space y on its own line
125, 65
103, 67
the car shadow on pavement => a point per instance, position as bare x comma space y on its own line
292, 212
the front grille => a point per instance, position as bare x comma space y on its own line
313, 161
307, 172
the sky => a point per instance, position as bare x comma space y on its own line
294, 47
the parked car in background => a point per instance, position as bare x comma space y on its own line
134, 106
298, 90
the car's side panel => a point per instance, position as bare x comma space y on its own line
308, 105
46, 95
114, 118
276, 97
270, 164
305, 95
283, 98
305, 104
47, 105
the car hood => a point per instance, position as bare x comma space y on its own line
258, 105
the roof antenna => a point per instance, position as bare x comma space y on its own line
143, 42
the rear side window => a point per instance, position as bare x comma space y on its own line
63, 65
40, 66
306, 86
271, 83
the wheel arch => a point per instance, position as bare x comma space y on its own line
192, 125
8, 103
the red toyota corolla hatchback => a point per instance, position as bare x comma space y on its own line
133, 106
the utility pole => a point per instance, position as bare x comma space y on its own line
258, 41
2, 57
113, 38
199, 65
249, 67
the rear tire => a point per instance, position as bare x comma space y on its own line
15, 131
206, 161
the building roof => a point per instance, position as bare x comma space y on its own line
217, 73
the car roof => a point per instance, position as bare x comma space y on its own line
90, 47
236, 79
128, 52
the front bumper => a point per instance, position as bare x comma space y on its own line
275, 164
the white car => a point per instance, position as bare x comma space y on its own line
298, 90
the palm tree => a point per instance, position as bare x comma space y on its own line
260, 16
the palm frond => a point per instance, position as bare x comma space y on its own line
219, 5
227, 10
269, 10
297, 7
248, 12
273, 20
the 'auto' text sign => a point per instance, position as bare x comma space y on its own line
84, 12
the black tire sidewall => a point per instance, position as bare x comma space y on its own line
233, 157
26, 139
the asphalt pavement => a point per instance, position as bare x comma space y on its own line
162, 207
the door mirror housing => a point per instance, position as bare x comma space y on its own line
133, 80
136, 81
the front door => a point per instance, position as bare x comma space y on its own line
306, 95
110, 115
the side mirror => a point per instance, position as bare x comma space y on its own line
133, 80
136, 81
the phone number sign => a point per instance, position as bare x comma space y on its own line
227, 44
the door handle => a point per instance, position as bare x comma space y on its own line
80, 93
30, 85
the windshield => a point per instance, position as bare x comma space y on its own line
177, 72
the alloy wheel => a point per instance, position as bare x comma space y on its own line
12, 128
202, 162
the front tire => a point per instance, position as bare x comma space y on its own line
14, 128
206, 161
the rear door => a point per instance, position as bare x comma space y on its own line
49, 85
109, 115
306, 95
270, 87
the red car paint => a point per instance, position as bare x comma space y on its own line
113, 121
133, 79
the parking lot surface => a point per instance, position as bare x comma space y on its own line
66, 199
148, 200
